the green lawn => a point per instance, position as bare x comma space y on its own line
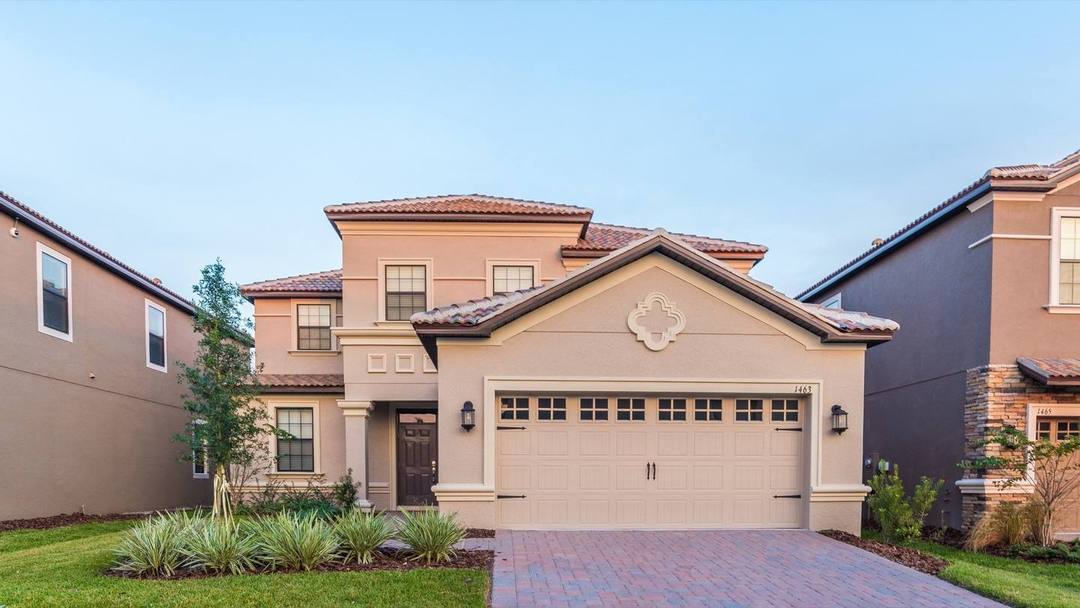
1012, 581
62, 567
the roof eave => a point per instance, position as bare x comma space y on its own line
1040, 376
111, 266
250, 295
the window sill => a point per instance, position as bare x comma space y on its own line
1063, 309
201, 476
315, 353
294, 475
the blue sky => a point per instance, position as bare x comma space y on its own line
169, 134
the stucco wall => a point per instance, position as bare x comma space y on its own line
275, 338
725, 338
100, 443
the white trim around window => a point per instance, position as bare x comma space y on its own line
491, 263
42, 250
833, 301
1056, 215
195, 474
316, 442
381, 278
164, 365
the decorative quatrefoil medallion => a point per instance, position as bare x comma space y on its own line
655, 321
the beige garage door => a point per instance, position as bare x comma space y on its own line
649, 462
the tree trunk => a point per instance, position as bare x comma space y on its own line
222, 501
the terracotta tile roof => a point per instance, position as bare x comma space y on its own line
1052, 371
327, 281
97, 254
1038, 173
302, 382
475, 312
609, 237
460, 204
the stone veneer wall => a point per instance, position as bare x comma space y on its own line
997, 395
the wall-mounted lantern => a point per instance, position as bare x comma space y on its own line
839, 420
468, 416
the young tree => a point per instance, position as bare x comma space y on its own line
228, 424
1051, 467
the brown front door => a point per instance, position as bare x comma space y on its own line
417, 457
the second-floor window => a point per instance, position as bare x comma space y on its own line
406, 291
1069, 261
508, 279
155, 337
54, 293
313, 327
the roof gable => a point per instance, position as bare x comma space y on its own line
469, 206
479, 318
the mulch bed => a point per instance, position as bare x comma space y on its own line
56, 521
912, 558
479, 533
387, 560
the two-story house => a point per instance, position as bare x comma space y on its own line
987, 288
88, 381
522, 366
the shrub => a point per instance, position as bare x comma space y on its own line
1067, 552
274, 500
361, 535
1007, 524
155, 546
294, 541
900, 517
220, 546
344, 491
431, 535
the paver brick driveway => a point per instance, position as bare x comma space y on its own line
706, 568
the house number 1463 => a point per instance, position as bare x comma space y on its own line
803, 389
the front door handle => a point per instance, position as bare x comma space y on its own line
434, 473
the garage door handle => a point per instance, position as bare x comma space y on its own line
787, 495
654, 470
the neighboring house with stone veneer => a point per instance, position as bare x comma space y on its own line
524, 367
88, 382
987, 288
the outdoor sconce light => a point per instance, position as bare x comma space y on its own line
839, 420
468, 416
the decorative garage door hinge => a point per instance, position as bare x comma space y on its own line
779, 428
509, 428
787, 495
509, 496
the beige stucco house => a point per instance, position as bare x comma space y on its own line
88, 389
522, 366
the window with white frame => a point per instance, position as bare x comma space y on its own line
749, 410
54, 293
1067, 259
785, 410
630, 410
709, 410
593, 408
296, 448
514, 408
155, 337
671, 410
508, 279
551, 408
200, 465
313, 327
406, 291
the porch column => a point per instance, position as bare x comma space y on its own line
356, 419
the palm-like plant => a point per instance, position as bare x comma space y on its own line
361, 535
294, 542
220, 546
155, 546
431, 535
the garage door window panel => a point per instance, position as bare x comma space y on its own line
630, 410
672, 410
785, 410
514, 408
551, 408
593, 409
708, 410
749, 410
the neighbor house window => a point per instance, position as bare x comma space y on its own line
709, 410
313, 327
508, 279
54, 293
630, 409
593, 408
406, 291
155, 337
785, 410
514, 408
296, 449
551, 408
1068, 263
672, 410
199, 458
749, 410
